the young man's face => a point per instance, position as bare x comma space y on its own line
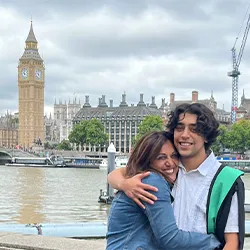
188, 143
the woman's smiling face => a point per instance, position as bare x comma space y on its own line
167, 161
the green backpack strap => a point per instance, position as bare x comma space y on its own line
219, 188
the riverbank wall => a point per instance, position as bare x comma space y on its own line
14, 241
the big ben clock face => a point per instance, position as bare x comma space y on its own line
24, 73
38, 74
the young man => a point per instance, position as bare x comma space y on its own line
195, 129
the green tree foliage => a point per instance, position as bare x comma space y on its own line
51, 145
238, 137
89, 132
47, 145
150, 123
95, 133
219, 145
64, 145
78, 134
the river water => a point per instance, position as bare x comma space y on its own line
45, 195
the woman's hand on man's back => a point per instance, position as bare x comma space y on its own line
135, 189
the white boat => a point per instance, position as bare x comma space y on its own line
53, 161
104, 164
120, 161
82, 162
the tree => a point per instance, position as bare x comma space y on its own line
64, 145
219, 145
48, 145
89, 132
149, 124
78, 134
238, 137
95, 133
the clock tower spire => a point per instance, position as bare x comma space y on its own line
31, 93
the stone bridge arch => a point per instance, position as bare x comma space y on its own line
5, 156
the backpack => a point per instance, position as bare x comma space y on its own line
225, 183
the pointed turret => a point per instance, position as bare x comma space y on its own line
31, 37
212, 96
31, 50
242, 98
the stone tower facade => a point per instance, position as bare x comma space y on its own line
31, 94
60, 112
63, 117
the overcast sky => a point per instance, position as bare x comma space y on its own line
108, 47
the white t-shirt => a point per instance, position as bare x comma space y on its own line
190, 198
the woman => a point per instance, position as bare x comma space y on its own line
130, 226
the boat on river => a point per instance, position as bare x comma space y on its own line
55, 161
104, 164
120, 161
82, 162
243, 165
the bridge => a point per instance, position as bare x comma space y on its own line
7, 153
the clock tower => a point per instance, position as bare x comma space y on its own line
31, 94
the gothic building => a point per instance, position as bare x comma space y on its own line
49, 128
8, 130
31, 93
63, 118
243, 111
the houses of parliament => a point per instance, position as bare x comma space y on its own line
29, 126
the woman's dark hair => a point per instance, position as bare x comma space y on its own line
207, 126
146, 151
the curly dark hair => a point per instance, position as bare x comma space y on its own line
146, 151
207, 125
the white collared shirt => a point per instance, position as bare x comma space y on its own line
190, 197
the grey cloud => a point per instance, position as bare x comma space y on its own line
87, 55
